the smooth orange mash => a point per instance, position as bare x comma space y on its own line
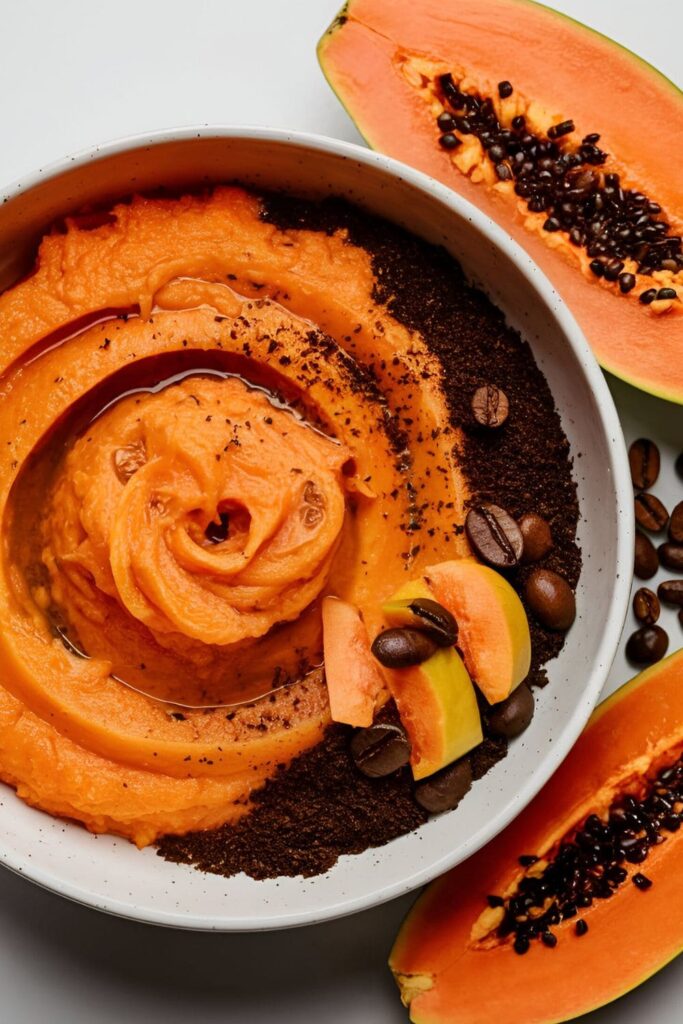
194, 451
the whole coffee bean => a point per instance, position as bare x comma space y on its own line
671, 592
494, 535
380, 749
646, 562
676, 524
436, 621
444, 790
490, 406
650, 513
647, 645
643, 458
646, 607
512, 715
551, 599
671, 556
401, 647
538, 540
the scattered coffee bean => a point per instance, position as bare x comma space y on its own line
671, 592
671, 556
646, 607
646, 561
679, 465
401, 647
644, 460
551, 599
647, 645
436, 621
650, 512
444, 790
512, 715
538, 540
676, 524
494, 535
490, 406
380, 749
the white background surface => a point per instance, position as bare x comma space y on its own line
75, 73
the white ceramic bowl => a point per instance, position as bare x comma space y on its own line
109, 873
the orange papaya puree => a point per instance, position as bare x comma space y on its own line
182, 481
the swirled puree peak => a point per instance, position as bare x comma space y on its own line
209, 422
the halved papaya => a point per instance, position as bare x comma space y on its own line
454, 92
456, 956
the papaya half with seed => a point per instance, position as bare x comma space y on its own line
450, 960
514, 128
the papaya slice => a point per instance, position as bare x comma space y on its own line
354, 681
551, 157
604, 838
493, 628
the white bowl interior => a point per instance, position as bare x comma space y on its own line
111, 874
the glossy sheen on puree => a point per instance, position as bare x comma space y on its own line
207, 423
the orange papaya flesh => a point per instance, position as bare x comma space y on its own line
493, 630
449, 960
384, 62
354, 680
438, 707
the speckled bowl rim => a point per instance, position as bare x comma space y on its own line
618, 467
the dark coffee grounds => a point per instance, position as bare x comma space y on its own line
307, 816
320, 807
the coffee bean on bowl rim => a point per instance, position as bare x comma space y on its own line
646, 561
511, 716
494, 535
537, 537
644, 460
651, 514
676, 524
647, 645
671, 592
490, 406
646, 606
445, 789
671, 556
401, 647
551, 599
380, 750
